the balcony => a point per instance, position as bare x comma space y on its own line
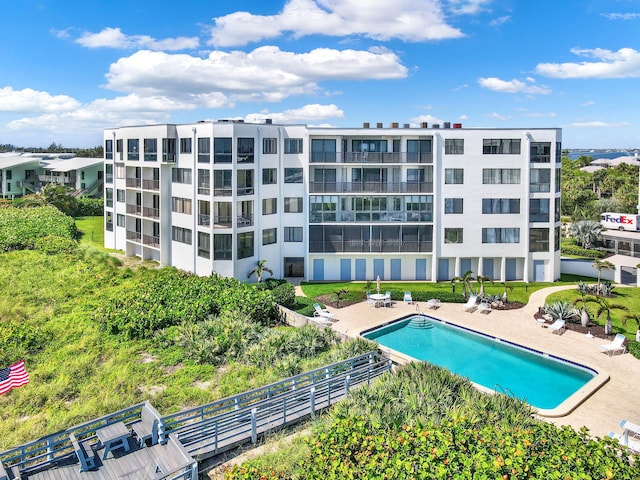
150, 185
204, 220
245, 191
59, 179
131, 235
204, 189
222, 221
151, 212
368, 217
134, 209
245, 221
222, 191
370, 187
151, 240
371, 246
540, 158
371, 157
133, 182
169, 157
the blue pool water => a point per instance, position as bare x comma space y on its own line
543, 381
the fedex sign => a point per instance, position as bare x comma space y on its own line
619, 221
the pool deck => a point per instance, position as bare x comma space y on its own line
600, 413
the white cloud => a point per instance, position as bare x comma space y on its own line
513, 86
430, 119
496, 22
114, 38
541, 114
464, 117
408, 20
467, 7
460, 87
306, 114
497, 116
621, 16
587, 103
264, 74
34, 101
596, 124
625, 63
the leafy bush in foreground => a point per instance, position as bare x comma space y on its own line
21, 227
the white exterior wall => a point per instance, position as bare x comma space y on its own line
472, 252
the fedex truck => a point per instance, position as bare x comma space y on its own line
620, 221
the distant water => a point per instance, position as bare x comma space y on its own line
574, 154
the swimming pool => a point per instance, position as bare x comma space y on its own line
544, 381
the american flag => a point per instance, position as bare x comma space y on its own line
12, 377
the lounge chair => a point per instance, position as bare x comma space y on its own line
470, 306
433, 303
387, 299
370, 301
557, 327
484, 307
324, 314
616, 345
407, 298
630, 436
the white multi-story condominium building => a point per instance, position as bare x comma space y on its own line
401, 203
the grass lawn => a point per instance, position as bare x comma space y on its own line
91, 231
629, 297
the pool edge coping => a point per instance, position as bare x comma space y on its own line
567, 406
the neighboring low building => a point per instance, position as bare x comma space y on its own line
402, 203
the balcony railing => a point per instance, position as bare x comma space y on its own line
151, 212
56, 179
371, 157
151, 184
222, 191
204, 220
371, 246
204, 189
169, 157
245, 191
134, 182
222, 221
540, 158
245, 221
134, 209
151, 240
367, 217
371, 187
131, 235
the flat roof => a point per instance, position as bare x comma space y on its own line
69, 164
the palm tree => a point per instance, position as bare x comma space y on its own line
465, 280
481, 279
604, 308
260, 270
586, 232
633, 316
602, 265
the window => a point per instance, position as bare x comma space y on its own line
501, 146
108, 149
222, 246
133, 149
539, 210
181, 175
540, 180
204, 245
120, 170
108, 225
292, 145
204, 182
454, 175
323, 208
419, 151
204, 150
500, 205
556, 236
119, 148
8, 174
269, 206
292, 234
204, 213
121, 220
108, 173
222, 183
540, 152
539, 240
222, 150
108, 200
181, 205
270, 145
453, 205
557, 210
509, 176
269, 236
454, 146
150, 149
500, 235
558, 152
245, 245
182, 235
558, 180
120, 196
269, 176
245, 150
185, 145
323, 150
292, 175
453, 235
245, 182
168, 149
293, 204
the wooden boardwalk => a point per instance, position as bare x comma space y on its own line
155, 447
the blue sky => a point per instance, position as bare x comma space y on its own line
71, 68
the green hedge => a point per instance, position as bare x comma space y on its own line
568, 249
20, 228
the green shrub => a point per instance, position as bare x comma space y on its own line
634, 348
21, 227
285, 295
53, 244
448, 297
568, 249
90, 207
